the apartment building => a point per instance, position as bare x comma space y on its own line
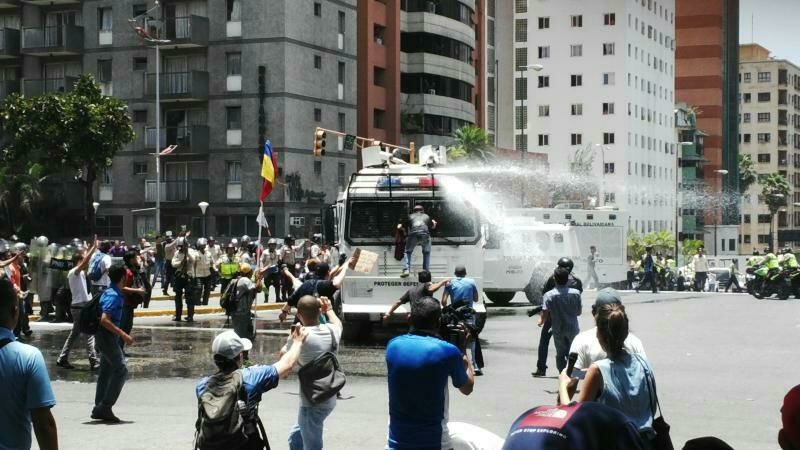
421, 69
770, 133
597, 76
234, 73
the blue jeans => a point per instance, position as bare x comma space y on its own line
113, 370
424, 240
159, 272
562, 344
544, 344
307, 432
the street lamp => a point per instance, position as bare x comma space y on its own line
93, 223
203, 207
523, 148
677, 191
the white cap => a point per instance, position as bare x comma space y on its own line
229, 345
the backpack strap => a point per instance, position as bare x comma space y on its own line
5, 342
316, 288
334, 344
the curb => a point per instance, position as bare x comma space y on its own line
197, 310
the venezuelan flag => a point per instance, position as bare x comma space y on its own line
269, 169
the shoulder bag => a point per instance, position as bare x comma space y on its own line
322, 378
662, 441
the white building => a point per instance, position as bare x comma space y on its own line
606, 83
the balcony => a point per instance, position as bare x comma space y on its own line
8, 87
182, 191
9, 43
51, 2
191, 139
64, 40
34, 88
179, 86
186, 32
8, 4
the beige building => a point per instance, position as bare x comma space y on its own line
769, 131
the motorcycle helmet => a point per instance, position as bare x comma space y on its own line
566, 263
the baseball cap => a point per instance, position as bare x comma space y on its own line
607, 296
789, 436
229, 345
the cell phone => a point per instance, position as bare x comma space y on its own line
573, 358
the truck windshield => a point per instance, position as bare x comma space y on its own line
375, 222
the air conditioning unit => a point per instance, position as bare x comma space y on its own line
431, 91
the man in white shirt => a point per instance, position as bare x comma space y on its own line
76, 278
307, 432
700, 263
268, 267
203, 265
184, 264
586, 344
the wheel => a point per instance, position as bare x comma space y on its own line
501, 298
783, 293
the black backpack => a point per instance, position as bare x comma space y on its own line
229, 301
90, 316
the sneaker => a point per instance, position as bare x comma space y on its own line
28, 332
189, 319
106, 416
478, 372
64, 364
405, 274
176, 319
538, 373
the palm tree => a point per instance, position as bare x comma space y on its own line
471, 143
775, 188
747, 173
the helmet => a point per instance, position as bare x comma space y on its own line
20, 247
245, 239
202, 242
272, 242
234, 242
288, 238
787, 250
245, 268
42, 241
231, 246
168, 234
566, 263
180, 241
211, 238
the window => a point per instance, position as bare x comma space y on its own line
140, 63
317, 115
521, 117
544, 139
234, 116
105, 20
763, 238
576, 109
608, 138
544, 52
763, 157
521, 30
544, 110
764, 218
521, 57
140, 116
764, 97
378, 117
103, 70
317, 62
297, 221
747, 97
544, 23
608, 108
747, 239
139, 9
764, 138
340, 175
608, 78
521, 89
378, 34
576, 21
576, 50
746, 118
610, 198
763, 117
544, 81
341, 72
378, 76
746, 138
317, 168
234, 11
746, 218
576, 80
318, 9
609, 19
608, 167
342, 22
233, 180
764, 77
342, 122
234, 63
140, 168
576, 139
608, 48
521, 142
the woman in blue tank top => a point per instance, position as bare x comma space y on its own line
621, 380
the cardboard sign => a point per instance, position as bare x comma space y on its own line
363, 261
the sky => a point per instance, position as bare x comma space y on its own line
775, 26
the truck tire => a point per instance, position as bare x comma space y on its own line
501, 298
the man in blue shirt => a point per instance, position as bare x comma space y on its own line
24, 384
464, 292
228, 349
113, 364
649, 266
562, 306
418, 411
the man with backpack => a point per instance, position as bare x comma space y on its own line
322, 339
113, 365
228, 400
98, 268
242, 297
76, 278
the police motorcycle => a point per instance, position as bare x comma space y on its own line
770, 279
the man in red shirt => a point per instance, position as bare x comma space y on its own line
134, 294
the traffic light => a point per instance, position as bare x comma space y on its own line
319, 142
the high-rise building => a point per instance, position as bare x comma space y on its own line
421, 69
596, 77
770, 134
706, 61
233, 74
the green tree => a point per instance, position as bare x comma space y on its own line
775, 188
689, 247
470, 143
747, 173
20, 192
661, 241
80, 130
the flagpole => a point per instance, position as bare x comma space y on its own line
257, 265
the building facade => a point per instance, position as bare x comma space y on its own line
596, 77
233, 74
421, 69
770, 134
706, 61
